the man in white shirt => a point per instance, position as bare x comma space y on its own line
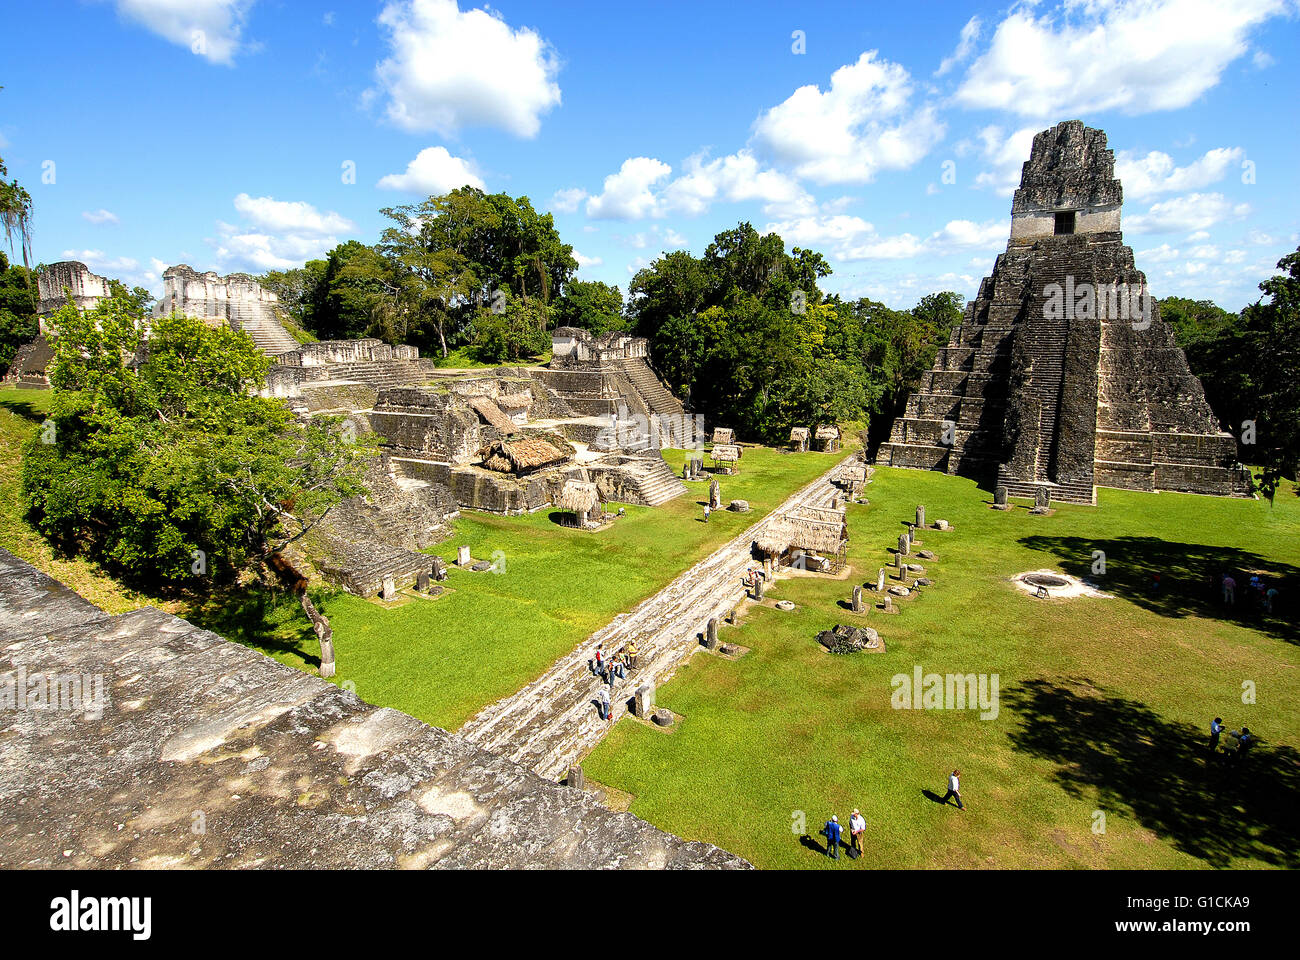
856, 826
954, 789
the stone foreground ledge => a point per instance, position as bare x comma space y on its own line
208, 754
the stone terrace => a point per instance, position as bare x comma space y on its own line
281, 769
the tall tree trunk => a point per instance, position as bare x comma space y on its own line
324, 633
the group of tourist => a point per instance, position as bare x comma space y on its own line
1256, 597
1237, 744
610, 668
834, 835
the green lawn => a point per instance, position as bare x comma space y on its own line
1103, 702
491, 633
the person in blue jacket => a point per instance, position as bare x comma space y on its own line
833, 838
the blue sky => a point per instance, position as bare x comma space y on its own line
222, 133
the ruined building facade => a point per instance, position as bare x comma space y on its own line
236, 300
1062, 374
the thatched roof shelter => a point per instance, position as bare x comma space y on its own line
723, 435
828, 431
523, 454
580, 496
798, 434
822, 536
725, 453
487, 408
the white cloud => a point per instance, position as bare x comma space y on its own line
1262, 60
1006, 155
434, 171
864, 122
277, 234
965, 46
1156, 172
1196, 211
98, 261
584, 262
627, 195
99, 216
1085, 56
126, 269
738, 177
448, 69
666, 238
905, 291
568, 201
852, 238
209, 28
1161, 254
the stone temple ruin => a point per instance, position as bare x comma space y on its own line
505, 440
237, 300
1062, 375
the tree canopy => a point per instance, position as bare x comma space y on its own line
161, 462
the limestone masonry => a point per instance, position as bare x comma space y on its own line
278, 768
1062, 377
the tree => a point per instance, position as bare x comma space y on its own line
16, 214
1271, 336
162, 463
451, 256
590, 305
17, 310
510, 329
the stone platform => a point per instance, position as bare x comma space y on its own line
207, 754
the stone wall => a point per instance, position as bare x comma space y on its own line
57, 280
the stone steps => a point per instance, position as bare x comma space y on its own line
268, 335
552, 722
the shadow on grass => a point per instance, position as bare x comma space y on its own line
270, 622
22, 408
1188, 578
1160, 772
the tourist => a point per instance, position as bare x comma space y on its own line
1270, 598
616, 667
600, 660
1245, 740
706, 513
1216, 728
1229, 590
631, 654
832, 832
857, 826
1155, 582
603, 697
954, 789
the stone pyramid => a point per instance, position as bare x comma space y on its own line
1062, 374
